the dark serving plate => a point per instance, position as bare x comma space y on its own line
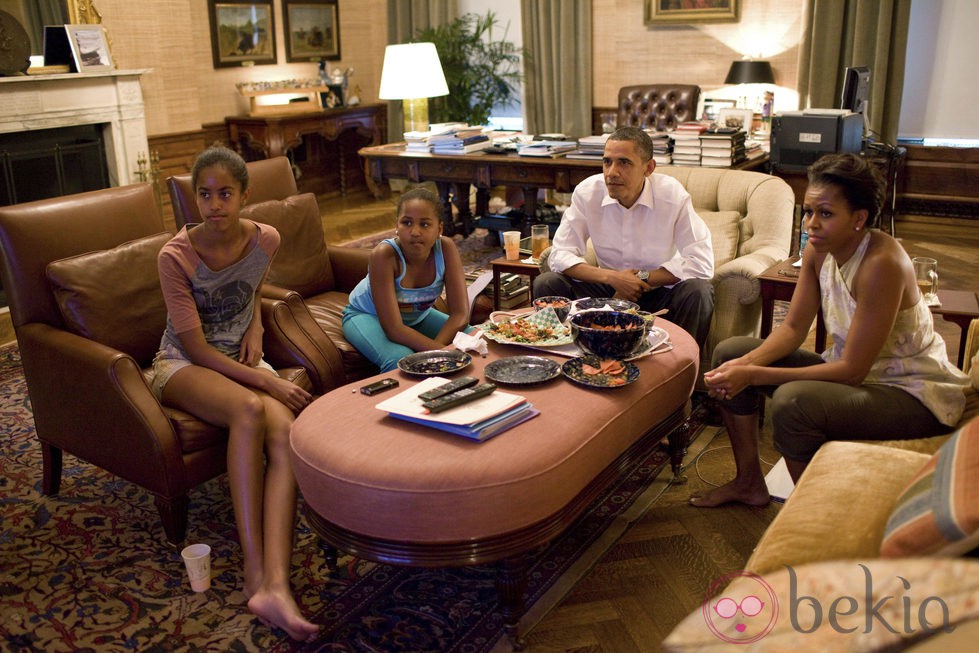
572, 370
522, 370
431, 363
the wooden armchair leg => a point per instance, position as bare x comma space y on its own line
173, 514
51, 469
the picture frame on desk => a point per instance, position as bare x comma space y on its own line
738, 118
710, 108
681, 12
89, 48
312, 30
242, 33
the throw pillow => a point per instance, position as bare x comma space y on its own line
842, 605
724, 234
938, 513
114, 296
302, 263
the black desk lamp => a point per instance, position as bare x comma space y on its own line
750, 72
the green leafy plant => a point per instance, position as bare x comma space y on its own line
481, 73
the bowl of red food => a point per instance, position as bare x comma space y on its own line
561, 305
608, 334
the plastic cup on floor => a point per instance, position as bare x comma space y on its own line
197, 559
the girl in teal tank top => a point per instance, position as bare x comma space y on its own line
391, 312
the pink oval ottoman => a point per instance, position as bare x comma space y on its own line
389, 490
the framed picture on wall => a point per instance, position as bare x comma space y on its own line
674, 12
242, 32
312, 29
89, 48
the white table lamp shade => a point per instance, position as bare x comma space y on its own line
412, 70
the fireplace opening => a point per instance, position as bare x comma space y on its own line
43, 163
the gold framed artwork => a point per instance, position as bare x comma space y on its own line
679, 12
89, 48
312, 29
242, 32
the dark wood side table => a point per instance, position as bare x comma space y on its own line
501, 265
778, 283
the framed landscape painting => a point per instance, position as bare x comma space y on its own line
312, 29
89, 48
679, 12
242, 32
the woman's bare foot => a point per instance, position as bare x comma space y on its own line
275, 609
734, 492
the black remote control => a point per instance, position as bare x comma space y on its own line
447, 388
459, 397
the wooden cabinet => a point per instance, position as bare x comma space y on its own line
322, 144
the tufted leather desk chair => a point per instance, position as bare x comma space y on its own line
657, 106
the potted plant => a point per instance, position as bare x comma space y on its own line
481, 73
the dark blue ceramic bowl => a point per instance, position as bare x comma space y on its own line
618, 342
561, 305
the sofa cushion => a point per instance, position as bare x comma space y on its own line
725, 233
889, 596
113, 296
938, 512
302, 262
810, 526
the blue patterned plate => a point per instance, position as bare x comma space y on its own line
431, 363
573, 370
522, 370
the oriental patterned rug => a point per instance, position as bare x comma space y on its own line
89, 569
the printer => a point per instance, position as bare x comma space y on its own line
799, 138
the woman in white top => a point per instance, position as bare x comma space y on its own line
886, 374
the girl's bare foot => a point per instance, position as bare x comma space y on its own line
280, 609
733, 492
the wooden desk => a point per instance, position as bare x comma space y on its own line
778, 283
455, 173
261, 137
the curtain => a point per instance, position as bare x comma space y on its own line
841, 33
557, 66
405, 18
39, 13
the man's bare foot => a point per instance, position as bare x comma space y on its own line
733, 492
280, 610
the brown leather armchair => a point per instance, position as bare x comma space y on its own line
86, 305
314, 279
657, 106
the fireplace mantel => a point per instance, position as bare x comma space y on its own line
113, 99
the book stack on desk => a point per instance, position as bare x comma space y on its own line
722, 148
662, 152
547, 148
462, 141
686, 143
590, 147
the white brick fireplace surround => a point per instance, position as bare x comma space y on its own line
113, 99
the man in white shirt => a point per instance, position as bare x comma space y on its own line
651, 247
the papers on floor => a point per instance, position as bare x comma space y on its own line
477, 420
779, 482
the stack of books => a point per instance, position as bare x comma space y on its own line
661, 147
514, 290
590, 147
547, 148
722, 147
417, 141
460, 141
686, 143
477, 420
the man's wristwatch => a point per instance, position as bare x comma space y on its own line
642, 275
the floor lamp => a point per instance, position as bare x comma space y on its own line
412, 73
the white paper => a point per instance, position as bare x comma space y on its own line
407, 403
779, 482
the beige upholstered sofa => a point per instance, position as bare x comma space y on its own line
749, 215
831, 529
